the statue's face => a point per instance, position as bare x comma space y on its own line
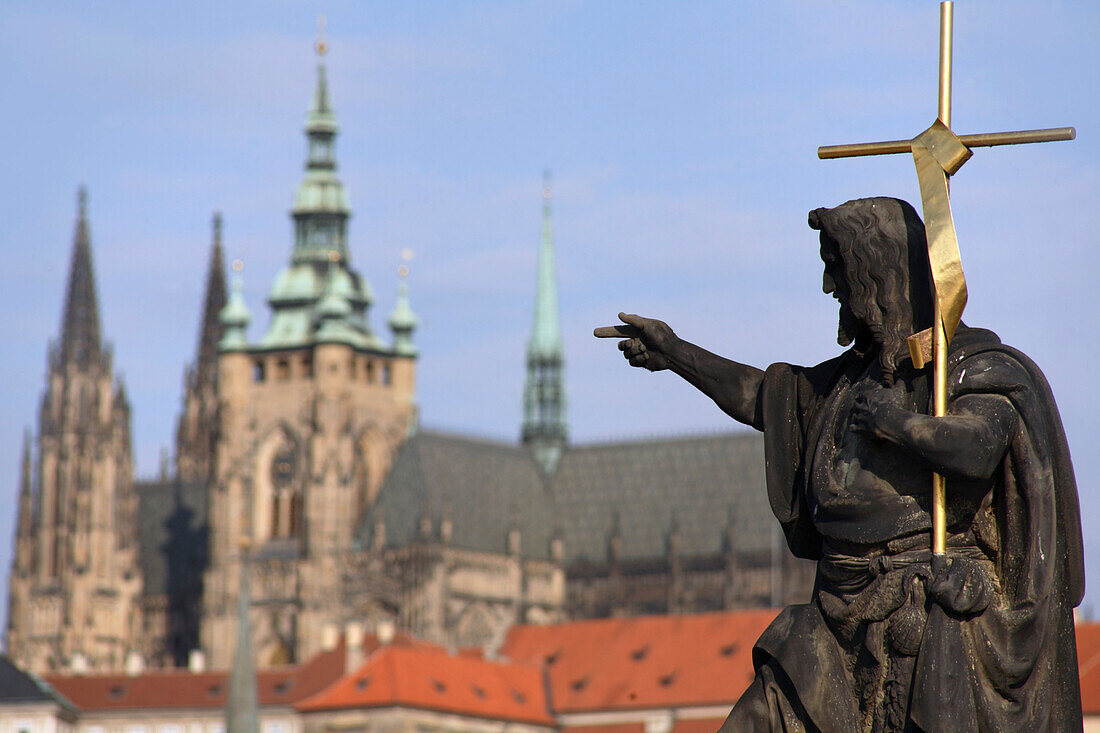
835, 282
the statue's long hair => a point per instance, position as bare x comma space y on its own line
882, 244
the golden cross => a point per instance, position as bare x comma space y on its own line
939, 153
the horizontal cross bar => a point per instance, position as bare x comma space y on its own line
981, 140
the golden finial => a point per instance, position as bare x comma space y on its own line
333, 256
407, 254
322, 45
403, 271
238, 265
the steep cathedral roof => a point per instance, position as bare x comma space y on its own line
710, 489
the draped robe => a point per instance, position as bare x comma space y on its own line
992, 648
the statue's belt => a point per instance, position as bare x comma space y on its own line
881, 559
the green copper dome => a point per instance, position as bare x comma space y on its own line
234, 319
403, 322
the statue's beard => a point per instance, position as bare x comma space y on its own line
849, 327
854, 327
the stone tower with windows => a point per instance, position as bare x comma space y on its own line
75, 581
309, 419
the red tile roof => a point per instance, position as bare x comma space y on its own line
432, 679
181, 688
1088, 666
643, 662
606, 664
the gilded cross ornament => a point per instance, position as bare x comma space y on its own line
938, 153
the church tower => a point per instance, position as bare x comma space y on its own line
75, 580
196, 431
309, 420
544, 427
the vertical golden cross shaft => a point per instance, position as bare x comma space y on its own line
940, 246
939, 337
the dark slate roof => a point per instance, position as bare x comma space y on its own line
17, 686
171, 534
483, 487
704, 486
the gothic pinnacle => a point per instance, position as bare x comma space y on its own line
80, 336
210, 331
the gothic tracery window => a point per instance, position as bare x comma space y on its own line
286, 509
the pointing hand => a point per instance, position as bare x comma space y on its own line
648, 341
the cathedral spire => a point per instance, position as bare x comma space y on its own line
321, 206
25, 526
80, 339
544, 426
210, 331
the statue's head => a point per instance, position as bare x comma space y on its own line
876, 266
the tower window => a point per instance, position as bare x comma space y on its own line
258, 372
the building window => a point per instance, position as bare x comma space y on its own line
282, 369
258, 371
307, 367
370, 372
386, 374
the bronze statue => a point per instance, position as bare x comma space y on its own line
890, 640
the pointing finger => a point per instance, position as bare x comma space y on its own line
634, 320
616, 332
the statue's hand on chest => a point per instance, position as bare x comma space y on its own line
869, 457
876, 409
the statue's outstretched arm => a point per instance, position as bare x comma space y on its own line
651, 344
968, 443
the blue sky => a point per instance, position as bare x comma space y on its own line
682, 138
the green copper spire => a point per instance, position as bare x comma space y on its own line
321, 208
544, 427
320, 262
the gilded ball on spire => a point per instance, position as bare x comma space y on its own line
238, 265
321, 45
